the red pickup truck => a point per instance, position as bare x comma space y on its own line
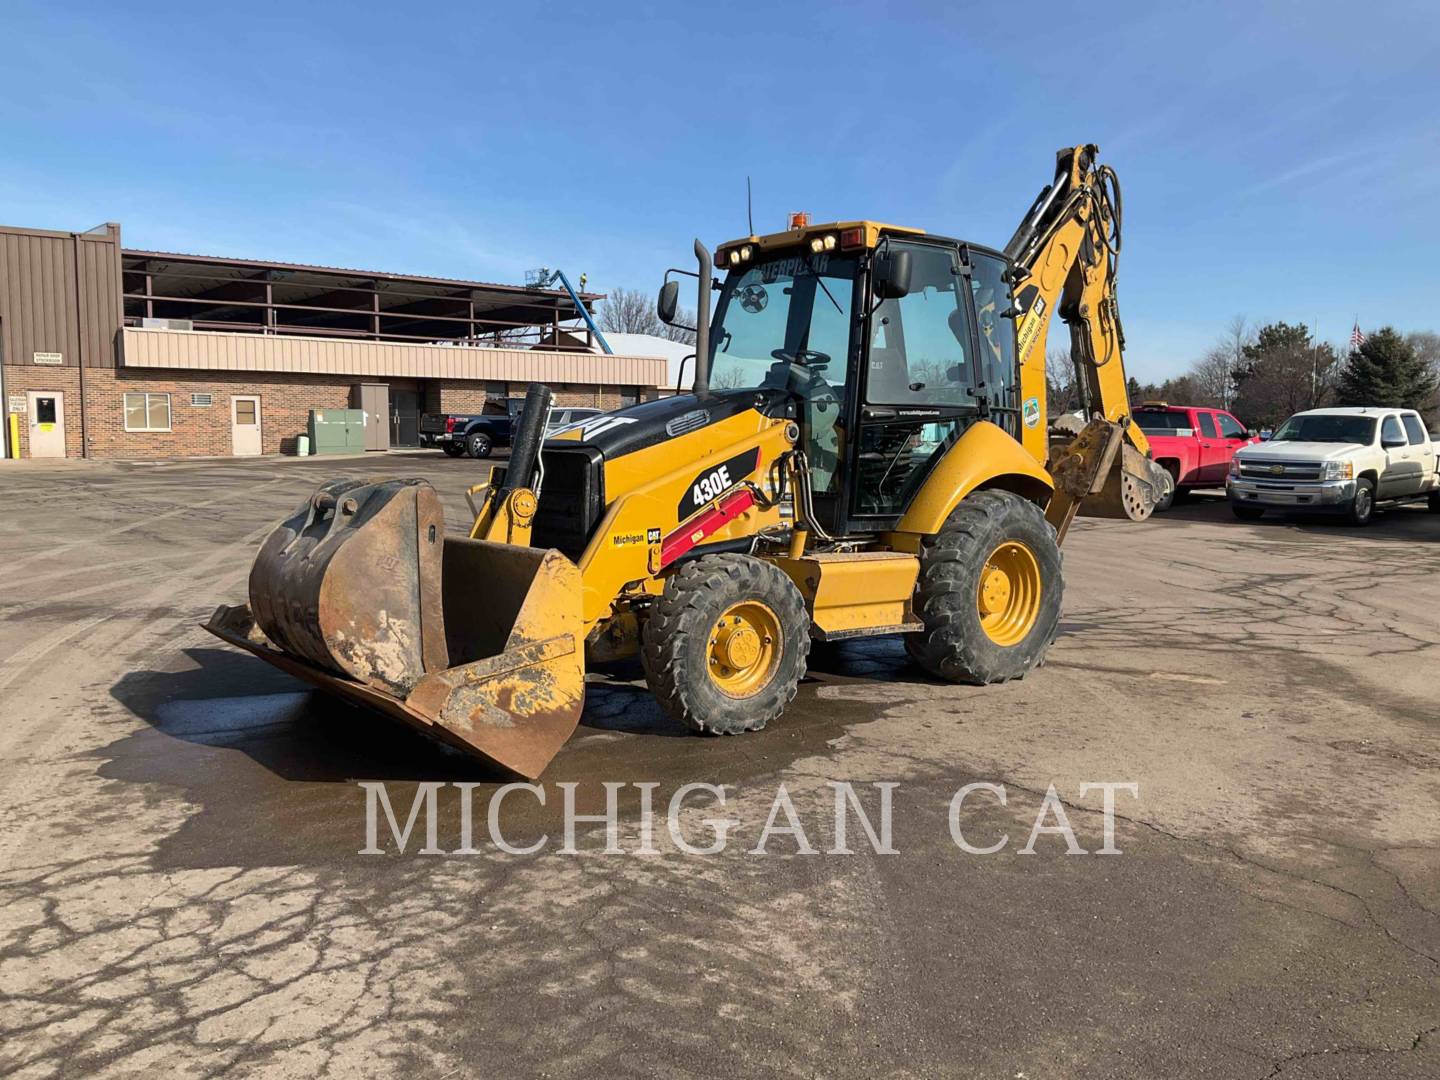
1193, 445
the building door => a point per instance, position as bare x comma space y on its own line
245, 426
47, 423
404, 418
374, 398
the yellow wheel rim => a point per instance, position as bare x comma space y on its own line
744, 649
1009, 593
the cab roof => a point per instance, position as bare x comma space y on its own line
792, 237
871, 233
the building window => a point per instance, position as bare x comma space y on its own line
147, 412
629, 395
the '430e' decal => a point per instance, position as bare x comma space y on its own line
716, 480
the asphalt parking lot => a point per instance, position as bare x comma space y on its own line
181, 889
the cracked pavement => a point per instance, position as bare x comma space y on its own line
181, 890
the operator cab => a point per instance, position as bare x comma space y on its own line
891, 342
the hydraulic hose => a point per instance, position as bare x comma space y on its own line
525, 447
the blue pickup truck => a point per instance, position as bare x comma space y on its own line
478, 435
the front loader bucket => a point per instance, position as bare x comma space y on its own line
362, 594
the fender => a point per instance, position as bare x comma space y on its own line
985, 456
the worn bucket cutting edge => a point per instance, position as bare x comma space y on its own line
1128, 491
488, 658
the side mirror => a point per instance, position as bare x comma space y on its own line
668, 302
892, 274
1252, 434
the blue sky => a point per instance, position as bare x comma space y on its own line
1279, 160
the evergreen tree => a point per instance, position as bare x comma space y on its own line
1283, 371
1386, 371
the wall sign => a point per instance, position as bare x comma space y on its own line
54, 359
17, 403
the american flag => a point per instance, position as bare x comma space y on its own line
1357, 337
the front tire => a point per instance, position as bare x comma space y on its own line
1362, 508
725, 646
989, 591
1247, 513
479, 445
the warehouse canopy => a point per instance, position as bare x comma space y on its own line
288, 298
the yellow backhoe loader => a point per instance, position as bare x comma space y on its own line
865, 451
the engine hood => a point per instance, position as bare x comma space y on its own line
1301, 451
650, 423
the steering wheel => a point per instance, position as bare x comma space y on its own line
803, 357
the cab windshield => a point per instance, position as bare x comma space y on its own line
784, 310
1331, 428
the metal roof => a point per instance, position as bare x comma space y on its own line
381, 275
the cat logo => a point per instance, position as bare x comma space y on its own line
588, 429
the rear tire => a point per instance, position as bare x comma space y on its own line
1247, 513
453, 449
725, 646
479, 445
1434, 502
1361, 510
989, 591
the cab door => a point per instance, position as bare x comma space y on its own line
1423, 449
926, 378
1233, 437
1213, 459
1402, 475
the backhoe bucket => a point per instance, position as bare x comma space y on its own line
1130, 489
361, 593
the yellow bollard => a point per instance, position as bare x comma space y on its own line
14, 435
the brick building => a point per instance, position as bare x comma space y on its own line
111, 352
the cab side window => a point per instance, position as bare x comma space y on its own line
1207, 425
920, 344
1230, 427
1414, 428
997, 330
1390, 431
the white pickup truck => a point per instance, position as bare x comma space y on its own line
1344, 461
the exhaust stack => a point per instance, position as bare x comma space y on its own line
702, 321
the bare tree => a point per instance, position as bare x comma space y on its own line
1060, 392
630, 311
680, 333
1426, 344
727, 379
1215, 373
1213, 377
